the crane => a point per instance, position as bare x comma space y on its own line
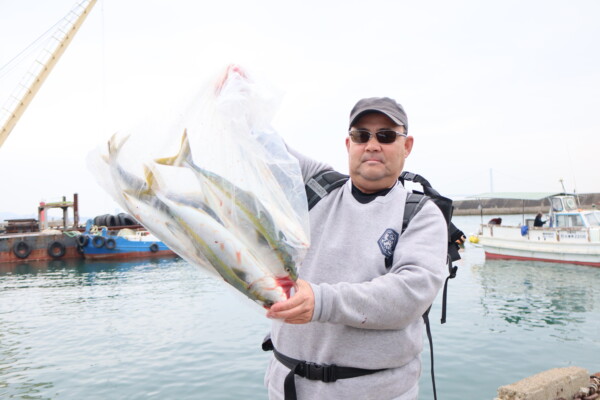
42, 66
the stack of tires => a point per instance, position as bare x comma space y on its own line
109, 220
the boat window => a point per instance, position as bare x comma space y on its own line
569, 221
570, 203
593, 218
557, 204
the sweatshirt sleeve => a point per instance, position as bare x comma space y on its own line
399, 297
308, 166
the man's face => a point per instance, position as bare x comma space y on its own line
375, 166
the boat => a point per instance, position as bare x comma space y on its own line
38, 239
47, 245
570, 234
101, 244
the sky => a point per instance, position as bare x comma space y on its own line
500, 95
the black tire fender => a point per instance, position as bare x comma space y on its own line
56, 249
154, 247
98, 241
83, 240
21, 249
110, 243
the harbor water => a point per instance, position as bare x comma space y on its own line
167, 330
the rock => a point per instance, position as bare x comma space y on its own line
551, 384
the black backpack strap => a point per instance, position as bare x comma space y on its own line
452, 274
410, 176
428, 330
454, 234
414, 203
322, 184
443, 203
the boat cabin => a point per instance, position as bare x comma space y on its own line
565, 213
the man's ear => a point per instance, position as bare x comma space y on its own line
408, 145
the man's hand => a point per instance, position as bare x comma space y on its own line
298, 309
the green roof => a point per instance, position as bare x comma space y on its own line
515, 195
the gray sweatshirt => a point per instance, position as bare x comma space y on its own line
366, 316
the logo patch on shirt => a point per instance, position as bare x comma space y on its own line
387, 242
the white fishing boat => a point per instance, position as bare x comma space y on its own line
570, 235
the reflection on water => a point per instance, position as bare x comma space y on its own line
32, 293
125, 330
537, 294
166, 330
78, 266
66, 273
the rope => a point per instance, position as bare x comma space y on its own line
95, 229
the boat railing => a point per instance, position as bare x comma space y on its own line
558, 234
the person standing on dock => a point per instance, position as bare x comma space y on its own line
354, 328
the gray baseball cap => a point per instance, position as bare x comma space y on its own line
384, 105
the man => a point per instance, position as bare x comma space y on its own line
350, 308
538, 223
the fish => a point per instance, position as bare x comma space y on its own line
284, 237
233, 210
229, 256
135, 194
188, 225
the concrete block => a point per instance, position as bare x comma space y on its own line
547, 385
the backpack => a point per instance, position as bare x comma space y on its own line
326, 181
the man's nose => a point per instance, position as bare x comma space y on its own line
373, 144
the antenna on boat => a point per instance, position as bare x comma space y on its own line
562, 183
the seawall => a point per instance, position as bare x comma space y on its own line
509, 206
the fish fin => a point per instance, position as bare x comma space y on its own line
184, 153
211, 213
241, 274
260, 238
149, 175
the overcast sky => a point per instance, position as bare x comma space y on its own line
500, 95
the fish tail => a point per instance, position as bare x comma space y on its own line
114, 146
184, 153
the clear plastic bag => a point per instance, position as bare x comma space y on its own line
219, 187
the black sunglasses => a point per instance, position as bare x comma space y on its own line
384, 136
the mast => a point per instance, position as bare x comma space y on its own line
35, 77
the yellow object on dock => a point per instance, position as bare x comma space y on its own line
474, 239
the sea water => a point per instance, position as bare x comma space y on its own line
167, 330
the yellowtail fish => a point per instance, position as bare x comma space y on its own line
193, 230
284, 237
229, 256
239, 212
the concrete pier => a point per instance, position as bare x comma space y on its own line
547, 385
